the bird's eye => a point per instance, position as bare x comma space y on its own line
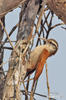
52, 43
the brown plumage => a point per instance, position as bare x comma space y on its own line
39, 56
40, 64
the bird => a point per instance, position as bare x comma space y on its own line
38, 57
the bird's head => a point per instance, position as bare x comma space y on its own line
51, 46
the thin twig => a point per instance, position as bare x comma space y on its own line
9, 48
11, 41
23, 91
6, 62
48, 87
13, 29
32, 90
8, 37
56, 25
6, 34
40, 18
49, 26
3, 13
25, 88
47, 18
42, 27
43, 39
29, 80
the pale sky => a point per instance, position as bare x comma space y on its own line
56, 63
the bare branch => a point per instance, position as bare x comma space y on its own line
58, 7
8, 5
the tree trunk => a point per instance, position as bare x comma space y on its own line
29, 12
2, 76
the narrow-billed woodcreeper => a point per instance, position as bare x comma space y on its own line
39, 56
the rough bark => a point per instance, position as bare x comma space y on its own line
15, 74
28, 17
59, 8
2, 76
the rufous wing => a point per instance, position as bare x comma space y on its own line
40, 63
